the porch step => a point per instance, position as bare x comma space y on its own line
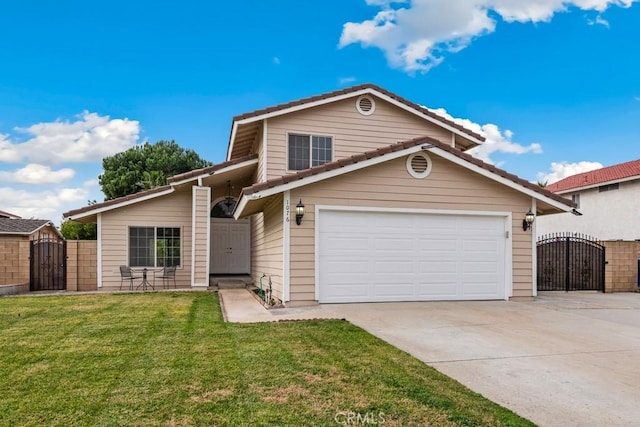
232, 282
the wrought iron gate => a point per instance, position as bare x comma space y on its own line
570, 262
48, 265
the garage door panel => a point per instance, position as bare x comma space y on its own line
393, 289
382, 256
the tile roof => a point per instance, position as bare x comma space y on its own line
4, 214
21, 226
598, 176
211, 169
316, 170
116, 201
352, 89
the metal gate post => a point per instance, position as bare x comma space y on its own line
567, 268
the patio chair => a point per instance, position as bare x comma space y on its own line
127, 274
167, 274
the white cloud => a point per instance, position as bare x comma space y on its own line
416, 35
47, 204
599, 21
346, 80
561, 170
497, 141
37, 174
90, 138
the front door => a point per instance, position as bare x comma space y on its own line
230, 246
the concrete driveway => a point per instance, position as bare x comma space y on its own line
562, 359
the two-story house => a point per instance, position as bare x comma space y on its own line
350, 196
608, 199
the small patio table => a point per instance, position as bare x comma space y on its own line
145, 282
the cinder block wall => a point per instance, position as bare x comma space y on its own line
82, 265
14, 260
621, 271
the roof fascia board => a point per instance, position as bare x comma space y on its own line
600, 184
244, 200
28, 233
488, 174
121, 204
305, 106
428, 118
360, 92
232, 139
217, 172
336, 172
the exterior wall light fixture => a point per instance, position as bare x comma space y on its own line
299, 212
528, 220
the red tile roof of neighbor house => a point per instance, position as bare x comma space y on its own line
255, 188
352, 89
598, 176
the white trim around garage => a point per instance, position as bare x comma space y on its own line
506, 217
534, 253
286, 247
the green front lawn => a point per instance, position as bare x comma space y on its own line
168, 359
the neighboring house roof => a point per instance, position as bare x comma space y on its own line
288, 107
328, 170
23, 227
4, 214
620, 172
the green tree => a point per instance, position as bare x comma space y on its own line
146, 166
73, 230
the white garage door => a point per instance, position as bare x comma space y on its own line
383, 256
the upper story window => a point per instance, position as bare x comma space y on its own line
608, 187
575, 198
305, 151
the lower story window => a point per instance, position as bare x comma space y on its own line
154, 246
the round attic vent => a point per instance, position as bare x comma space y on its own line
365, 105
419, 165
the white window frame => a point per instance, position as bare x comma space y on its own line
575, 198
310, 135
155, 247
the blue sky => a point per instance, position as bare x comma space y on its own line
554, 85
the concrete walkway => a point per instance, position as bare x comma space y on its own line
563, 359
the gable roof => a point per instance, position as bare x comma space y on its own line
21, 226
157, 191
210, 170
620, 172
328, 170
300, 104
4, 214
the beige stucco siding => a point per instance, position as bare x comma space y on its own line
201, 235
266, 246
352, 132
389, 185
173, 210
